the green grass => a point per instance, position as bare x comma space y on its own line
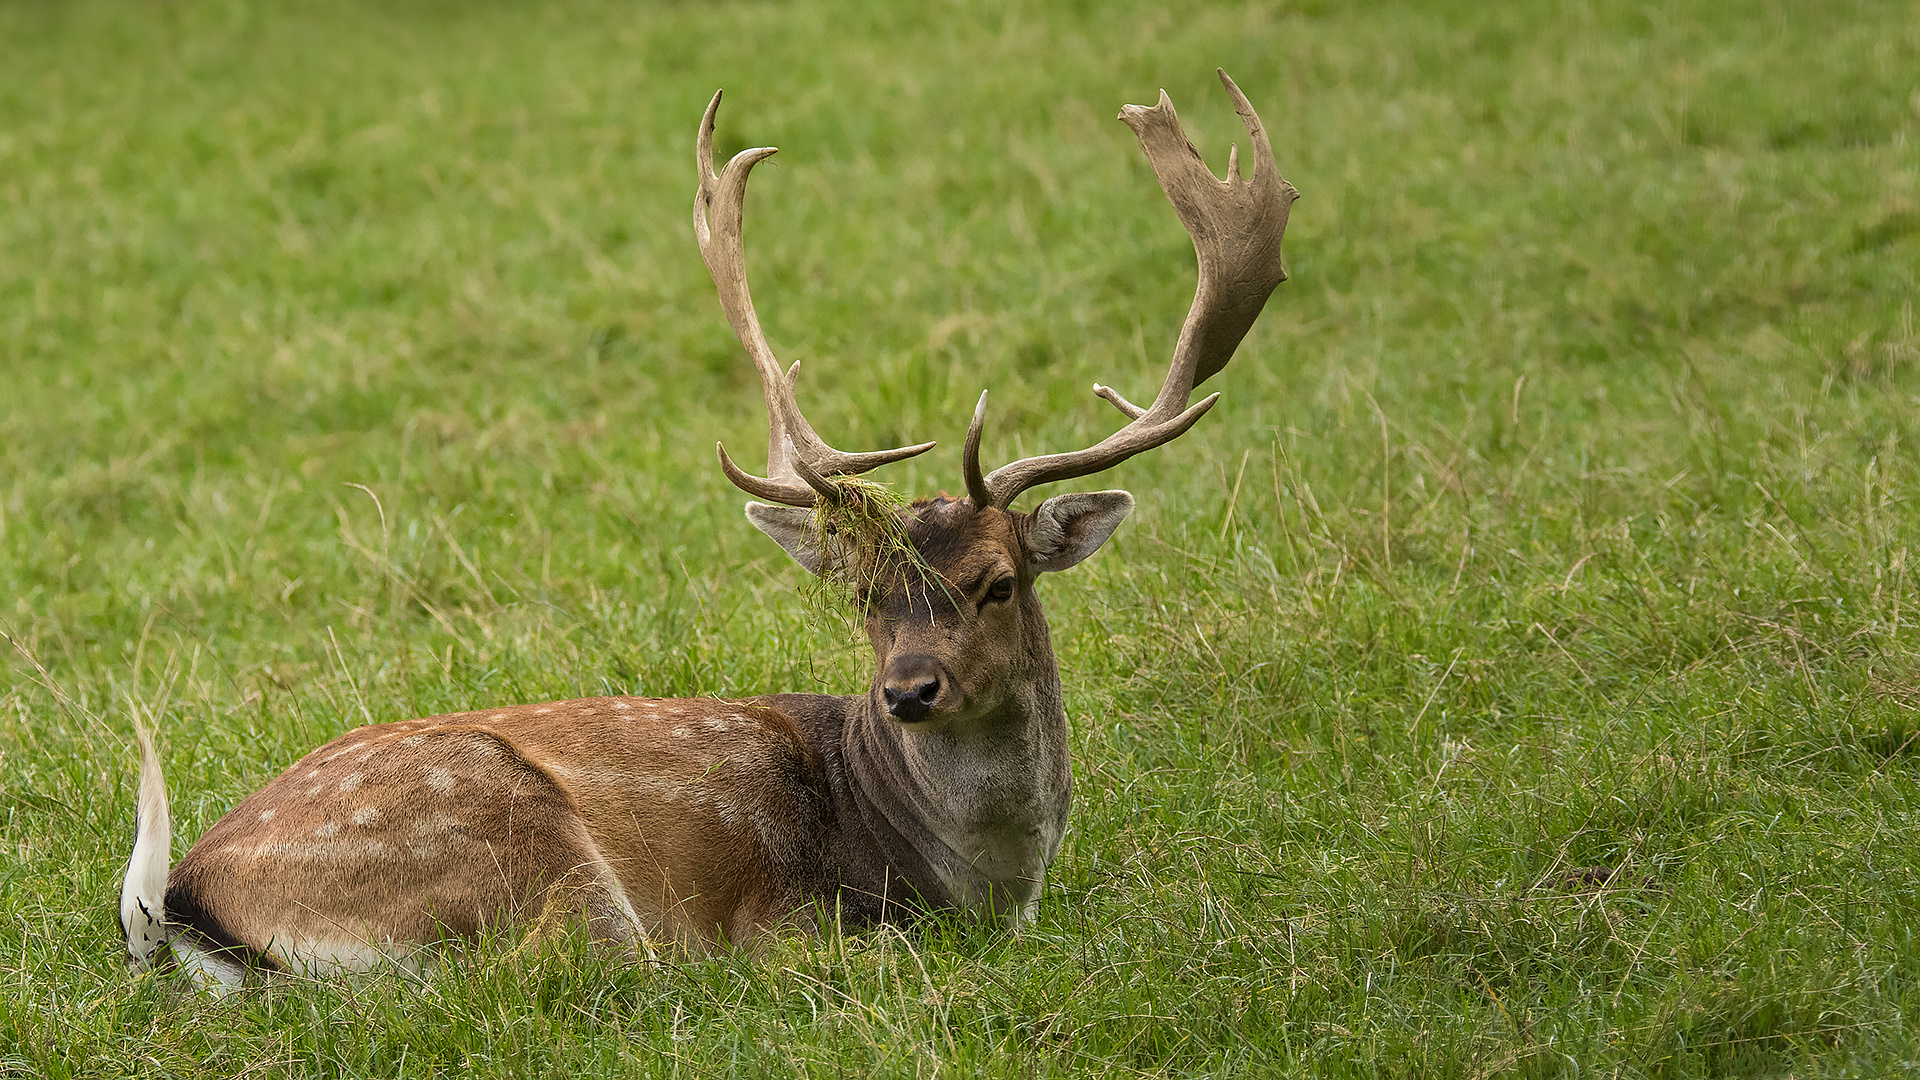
1518, 673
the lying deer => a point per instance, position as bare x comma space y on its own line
703, 823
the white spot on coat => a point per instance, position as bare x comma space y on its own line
440, 780
366, 815
433, 825
352, 781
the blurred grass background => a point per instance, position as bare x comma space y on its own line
1514, 675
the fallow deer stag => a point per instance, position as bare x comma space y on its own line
698, 824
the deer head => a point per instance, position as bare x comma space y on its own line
950, 608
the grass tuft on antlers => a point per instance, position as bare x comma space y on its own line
860, 535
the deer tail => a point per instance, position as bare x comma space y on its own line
143, 912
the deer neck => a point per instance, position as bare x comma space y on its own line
977, 806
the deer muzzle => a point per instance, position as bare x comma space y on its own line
913, 686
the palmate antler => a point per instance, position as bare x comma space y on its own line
799, 463
1236, 225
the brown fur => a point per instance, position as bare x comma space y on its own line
699, 815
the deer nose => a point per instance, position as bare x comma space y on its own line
911, 687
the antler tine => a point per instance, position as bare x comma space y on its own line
799, 464
1236, 225
977, 488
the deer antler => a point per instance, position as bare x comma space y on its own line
799, 463
1236, 225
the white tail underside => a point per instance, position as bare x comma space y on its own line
143, 912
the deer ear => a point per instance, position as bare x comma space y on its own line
1068, 528
792, 528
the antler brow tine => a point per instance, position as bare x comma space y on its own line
1236, 225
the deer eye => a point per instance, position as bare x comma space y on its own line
1001, 589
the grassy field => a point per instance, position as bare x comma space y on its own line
1518, 673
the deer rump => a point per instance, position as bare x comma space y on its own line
695, 823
